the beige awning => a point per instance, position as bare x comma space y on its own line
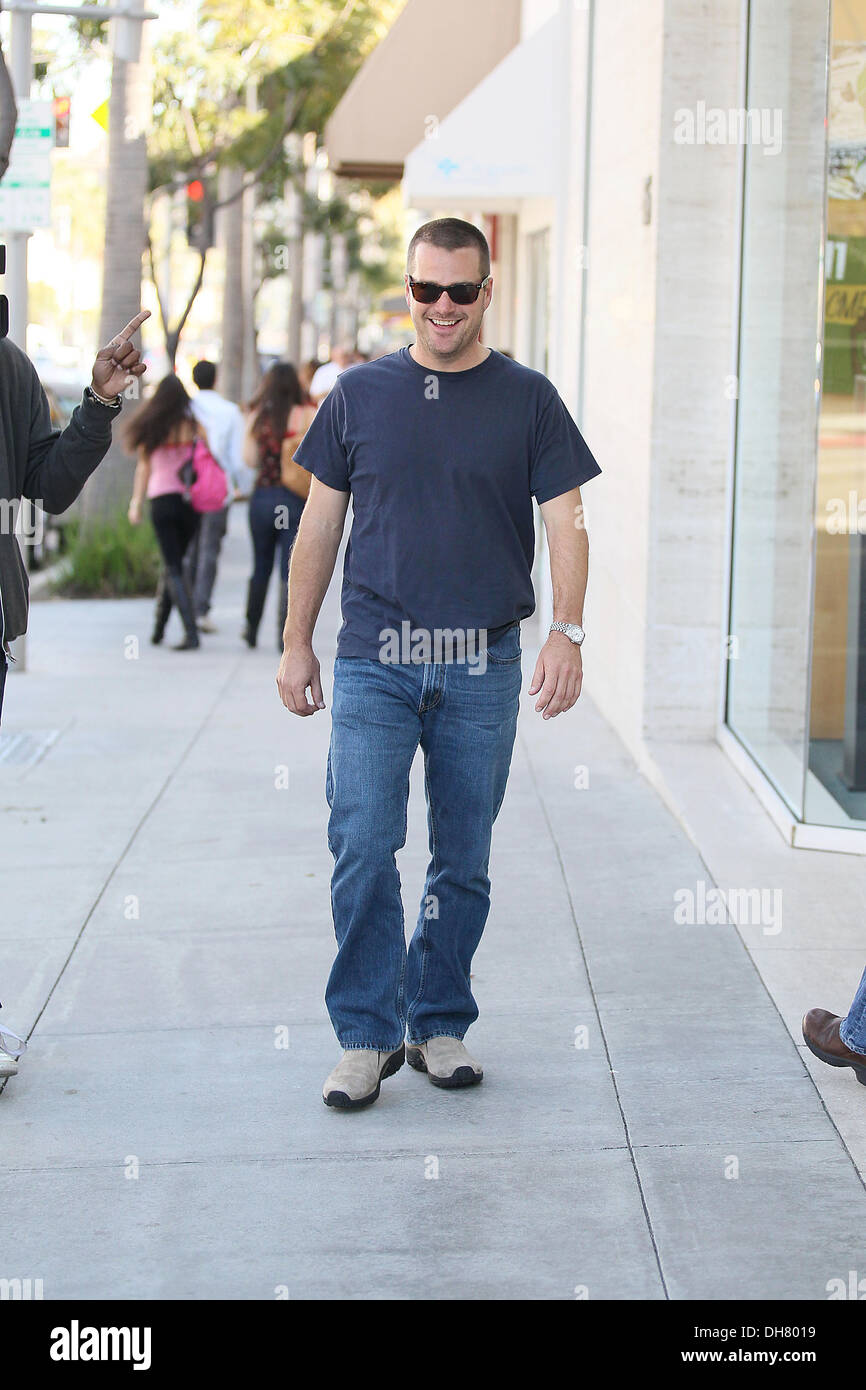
432, 56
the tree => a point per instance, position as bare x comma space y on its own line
299, 56
8, 114
128, 121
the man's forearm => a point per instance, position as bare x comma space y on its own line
313, 558
569, 568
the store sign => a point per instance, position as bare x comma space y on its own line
25, 190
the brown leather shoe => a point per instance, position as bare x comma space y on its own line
821, 1033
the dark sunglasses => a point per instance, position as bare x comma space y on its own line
464, 292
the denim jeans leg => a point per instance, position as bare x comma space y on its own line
262, 523
206, 560
852, 1030
467, 741
374, 737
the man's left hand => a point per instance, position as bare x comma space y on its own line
118, 362
558, 676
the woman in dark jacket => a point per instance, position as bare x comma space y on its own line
279, 411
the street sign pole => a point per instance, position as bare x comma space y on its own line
126, 35
21, 73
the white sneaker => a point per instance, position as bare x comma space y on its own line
9, 1053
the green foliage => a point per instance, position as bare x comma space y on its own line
298, 55
110, 559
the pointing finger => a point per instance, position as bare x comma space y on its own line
125, 333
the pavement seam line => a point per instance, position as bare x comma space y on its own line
631, 1151
800, 1048
130, 842
663, 793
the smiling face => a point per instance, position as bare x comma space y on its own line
447, 333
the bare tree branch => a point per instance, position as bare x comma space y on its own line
174, 338
172, 335
159, 299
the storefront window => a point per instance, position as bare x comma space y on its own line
778, 390
836, 781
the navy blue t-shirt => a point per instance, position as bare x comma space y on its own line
442, 468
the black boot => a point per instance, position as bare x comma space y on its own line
256, 595
282, 614
183, 603
163, 609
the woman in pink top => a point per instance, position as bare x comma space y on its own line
162, 433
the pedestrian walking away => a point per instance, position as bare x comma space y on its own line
223, 424
49, 468
162, 433
278, 417
441, 447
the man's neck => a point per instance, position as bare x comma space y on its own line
472, 357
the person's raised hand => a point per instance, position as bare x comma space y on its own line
119, 362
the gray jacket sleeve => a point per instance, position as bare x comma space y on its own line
58, 465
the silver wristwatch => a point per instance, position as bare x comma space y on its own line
573, 631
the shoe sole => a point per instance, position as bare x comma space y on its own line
463, 1076
340, 1101
858, 1069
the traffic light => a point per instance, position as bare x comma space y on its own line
199, 215
61, 123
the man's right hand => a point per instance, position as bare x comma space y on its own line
299, 670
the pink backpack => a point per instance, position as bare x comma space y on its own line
207, 487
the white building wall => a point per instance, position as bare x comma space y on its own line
535, 13
619, 365
696, 216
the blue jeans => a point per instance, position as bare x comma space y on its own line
274, 516
852, 1030
465, 722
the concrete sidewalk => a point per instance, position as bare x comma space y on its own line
646, 1129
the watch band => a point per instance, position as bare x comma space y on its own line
92, 395
573, 631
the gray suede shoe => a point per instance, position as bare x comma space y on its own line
446, 1062
356, 1078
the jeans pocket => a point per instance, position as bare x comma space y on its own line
505, 649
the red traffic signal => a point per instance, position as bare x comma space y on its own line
195, 191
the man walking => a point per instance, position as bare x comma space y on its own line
223, 424
441, 447
50, 468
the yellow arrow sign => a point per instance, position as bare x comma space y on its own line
100, 115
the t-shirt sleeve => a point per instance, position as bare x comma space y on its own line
561, 458
323, 451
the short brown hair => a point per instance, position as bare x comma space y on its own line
450, 233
